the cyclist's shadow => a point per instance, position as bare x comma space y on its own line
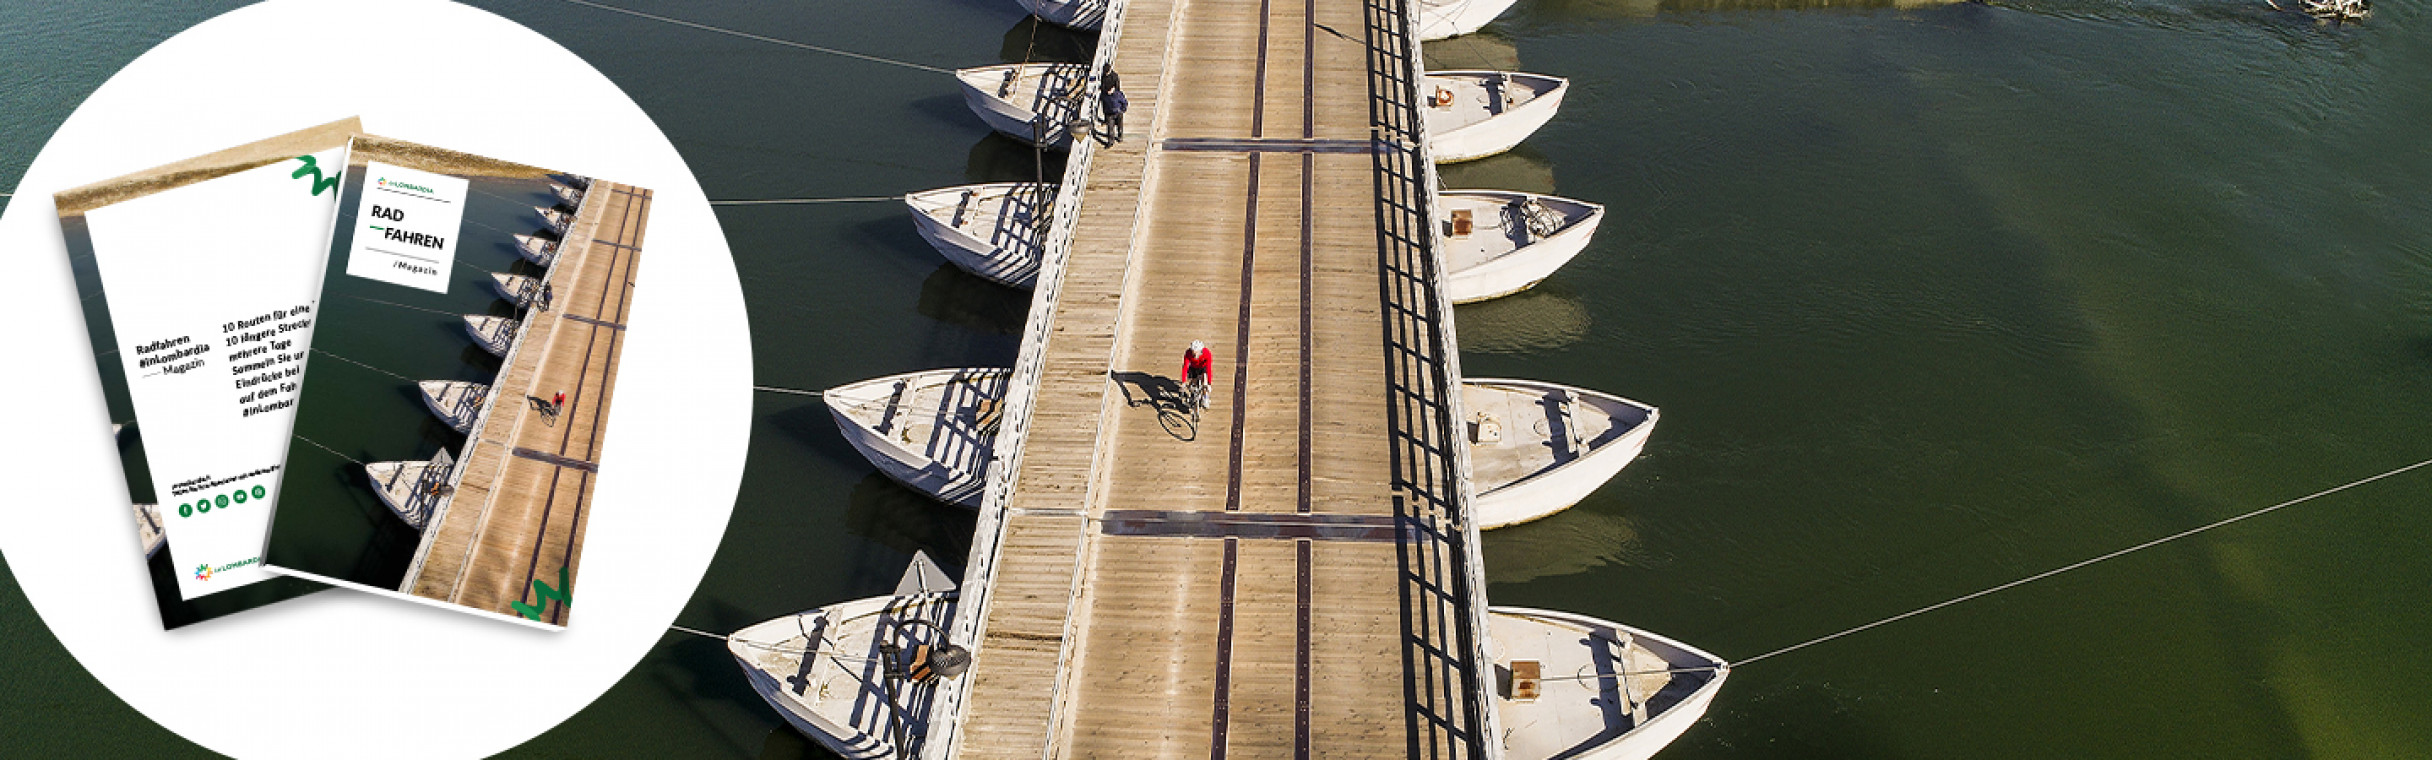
1163, 394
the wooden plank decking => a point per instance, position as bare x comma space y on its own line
517, 515
1255, 583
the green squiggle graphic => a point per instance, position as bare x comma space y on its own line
312, 166
564, 594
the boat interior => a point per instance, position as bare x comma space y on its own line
1453, 100
1517, 431
1057, 91
950, 417
1483, 227
1567, 686
855, 664
1011, 218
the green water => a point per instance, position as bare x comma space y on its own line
1931, 299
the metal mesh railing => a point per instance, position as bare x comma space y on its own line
1448, 712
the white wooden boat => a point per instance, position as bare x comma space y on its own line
1601, 691
147, 525
1538, 448
827, 670
455, 402
1078, 14
931, 431
571, 197
515, 287
579, 182
1497, 242
992, 230
495, 334
1511, 241
554, 219
1439, 19
413, 490
1031, 102
1475, 114
536, 249
1535, 448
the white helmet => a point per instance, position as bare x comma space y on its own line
1197, 347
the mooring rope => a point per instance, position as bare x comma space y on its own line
2084, 563
2000, 588
774, 389
365, 366
766, 646
332, 452
750, 36
408, 306
798, 201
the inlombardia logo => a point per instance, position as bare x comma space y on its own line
204, 571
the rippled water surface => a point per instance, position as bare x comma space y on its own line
1932, 296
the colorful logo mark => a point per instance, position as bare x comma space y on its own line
202, 572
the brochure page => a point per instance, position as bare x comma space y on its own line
472, 315
199, 303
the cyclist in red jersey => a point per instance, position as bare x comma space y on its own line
1198, 365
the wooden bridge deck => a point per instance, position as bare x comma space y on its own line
518, 513
1284, 576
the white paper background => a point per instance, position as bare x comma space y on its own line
340, 673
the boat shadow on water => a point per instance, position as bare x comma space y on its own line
809, 425
892, 233
896, 523
997, 158
966, 300
1034, 41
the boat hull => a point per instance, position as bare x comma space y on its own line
1523, 269
473, 324
517, 288
1017, 122
1496, 135
535, 249
553, 219
847, 627
454, 403
1440, 19
961, 486
1015, 267
1544, 493
1638, 742
1077, 14
901, 465
850, 743
400, 486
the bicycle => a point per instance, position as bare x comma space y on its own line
1195, 396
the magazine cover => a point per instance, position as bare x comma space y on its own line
461, 380
198, 280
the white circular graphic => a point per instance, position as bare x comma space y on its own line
345, 673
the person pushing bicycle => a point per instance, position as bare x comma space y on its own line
1198, 370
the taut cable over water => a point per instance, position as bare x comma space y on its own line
405, 306
332, 452
2010, 585
773, 389
773, 40
799, 201
360, 364
2032, 578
